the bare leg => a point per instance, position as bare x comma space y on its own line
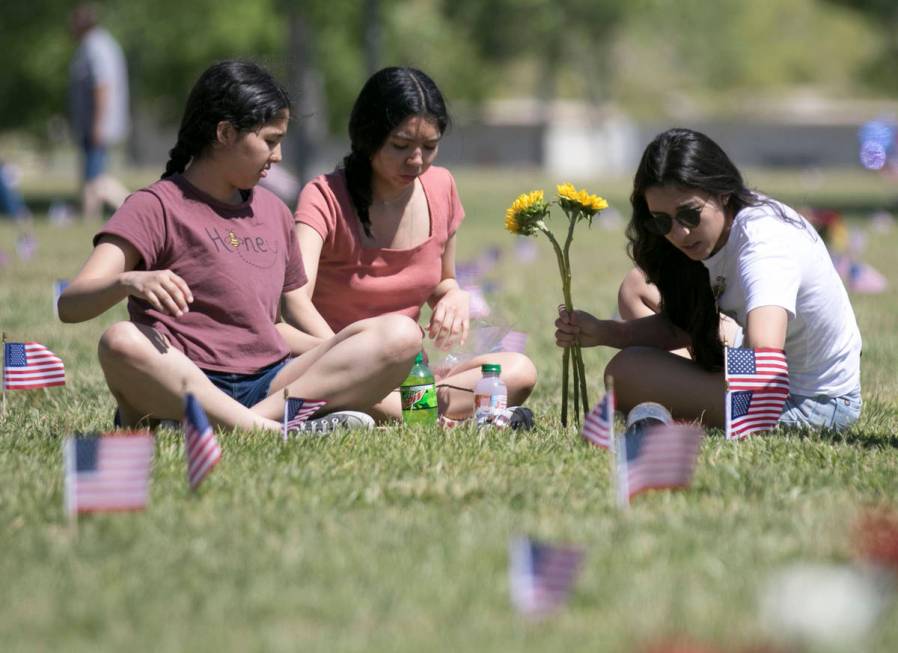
111, 191
355, 369
91, 202
687, 390
455, 391
99, 192
147, 377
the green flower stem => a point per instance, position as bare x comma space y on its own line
564, 269
565, 365
573, 216
578, 354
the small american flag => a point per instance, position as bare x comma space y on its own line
541, 576
28, 365
297, 411
598, 427
107, 473
200, 446
757, 388
657, 458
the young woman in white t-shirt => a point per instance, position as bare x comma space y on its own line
706, 245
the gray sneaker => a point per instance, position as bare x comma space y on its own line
338, 420
649, 411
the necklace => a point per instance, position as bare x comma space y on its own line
400, 198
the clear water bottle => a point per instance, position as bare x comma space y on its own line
490, 394
419, 395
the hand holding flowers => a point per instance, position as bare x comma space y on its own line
526, 216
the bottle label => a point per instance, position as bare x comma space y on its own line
486, 407
418, 397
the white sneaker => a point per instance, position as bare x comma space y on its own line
341, 419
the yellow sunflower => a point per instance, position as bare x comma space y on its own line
581, 200
526, 212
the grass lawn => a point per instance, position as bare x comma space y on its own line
397, 540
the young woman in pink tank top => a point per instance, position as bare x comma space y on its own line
378, 236
206, 260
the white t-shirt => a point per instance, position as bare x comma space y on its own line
99, 61
769, 261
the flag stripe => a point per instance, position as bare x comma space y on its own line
757, 389
108, 473
200, 446
598, 427
30, 365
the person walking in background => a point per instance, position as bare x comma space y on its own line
705, 244
378, 237
98, 108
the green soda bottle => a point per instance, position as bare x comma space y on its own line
419, 395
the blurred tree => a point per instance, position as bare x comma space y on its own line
557, 35
883, 15
721, 56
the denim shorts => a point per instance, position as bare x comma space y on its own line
821, 412
248, 389
94, 161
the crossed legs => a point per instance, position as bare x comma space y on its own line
354, 369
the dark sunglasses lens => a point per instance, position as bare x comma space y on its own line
658, 225
689, 217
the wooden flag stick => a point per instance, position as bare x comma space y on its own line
284, 421
3, 390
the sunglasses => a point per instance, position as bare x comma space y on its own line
687, 217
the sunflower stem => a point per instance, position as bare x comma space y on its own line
568, 304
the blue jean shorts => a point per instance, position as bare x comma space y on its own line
248, 389
836, 413
94, 161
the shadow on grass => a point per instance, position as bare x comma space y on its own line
851, 438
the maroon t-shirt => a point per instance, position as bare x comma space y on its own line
237, 260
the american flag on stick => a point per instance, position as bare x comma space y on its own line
297, 411
200, 446
29, 365
757, 388
658, 457
541, 576
598, 427
107, 472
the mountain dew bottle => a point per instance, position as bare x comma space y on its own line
419, 395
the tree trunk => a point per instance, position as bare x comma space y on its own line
308, 128
372, 30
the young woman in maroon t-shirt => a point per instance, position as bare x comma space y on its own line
206, 259
378, 235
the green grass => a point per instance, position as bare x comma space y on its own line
396, 540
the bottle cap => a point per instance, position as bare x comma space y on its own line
491, 367
649, 410
419, 358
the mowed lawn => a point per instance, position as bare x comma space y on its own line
396, 540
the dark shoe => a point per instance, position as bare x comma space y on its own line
521, 418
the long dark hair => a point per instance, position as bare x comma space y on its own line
239, 92
388, 97
686, 158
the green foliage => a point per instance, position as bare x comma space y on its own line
726, 52
396, 540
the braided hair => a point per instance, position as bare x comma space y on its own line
239, 92
388, 97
